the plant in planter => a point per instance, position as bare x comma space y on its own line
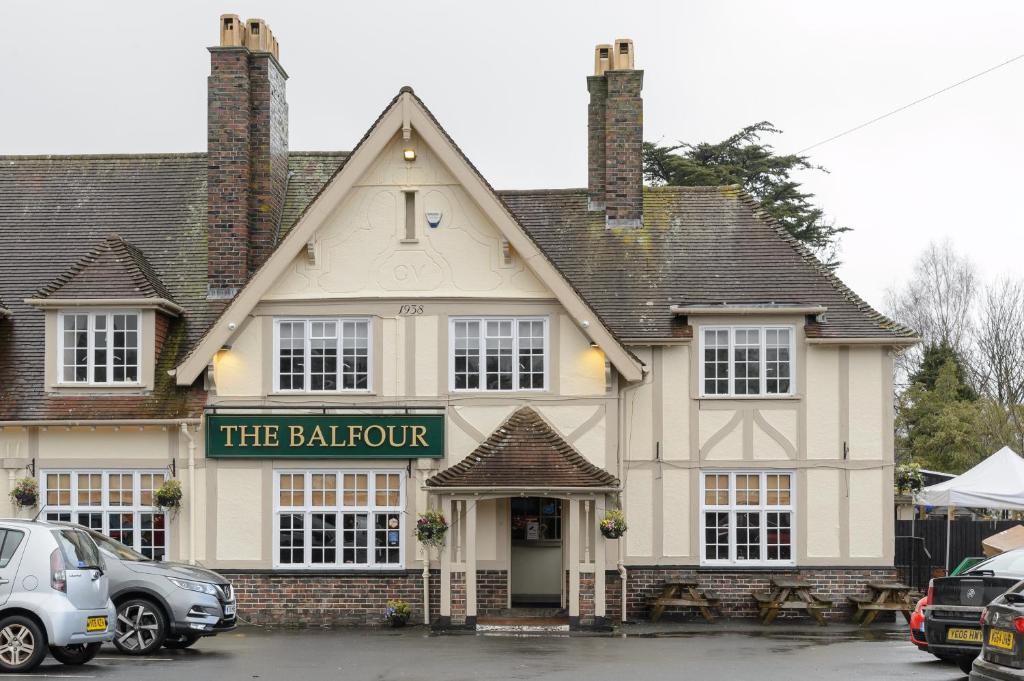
613, 525
397, 612
431, 528
168, 497
25, 492
908, 478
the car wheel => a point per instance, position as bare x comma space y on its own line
965, 663
75, 654
22, 644
141, 627
181, 642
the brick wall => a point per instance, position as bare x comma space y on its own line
735, 586
624, 131
268, 153
491, 591
597, 86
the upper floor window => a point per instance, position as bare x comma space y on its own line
321, 354
99, 347
746, 360
489, 353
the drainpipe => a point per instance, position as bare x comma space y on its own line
191, 493
620, 464
426, 584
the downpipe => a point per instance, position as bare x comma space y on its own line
191, 493
623, 449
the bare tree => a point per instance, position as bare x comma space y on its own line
998, 361
936, 302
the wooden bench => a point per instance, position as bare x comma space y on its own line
684, 594
886, 596
789, 593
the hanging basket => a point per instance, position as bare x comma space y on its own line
613, 525
168, 496
25, 493
431, 528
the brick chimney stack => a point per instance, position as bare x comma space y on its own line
615, 135
247, 152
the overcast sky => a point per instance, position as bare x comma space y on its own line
507, 81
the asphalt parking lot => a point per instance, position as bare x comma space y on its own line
722, 652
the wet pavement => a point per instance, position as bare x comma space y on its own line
643, 652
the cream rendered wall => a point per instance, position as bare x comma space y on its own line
240, 533
238, 372
677, 512
639, 509
581, 367
823, 403
866, 408
675, 444
103, 447
867, 512
822, 503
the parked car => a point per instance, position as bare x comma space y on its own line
1002, 648
53, 595
917, 633
952, 618
163, 603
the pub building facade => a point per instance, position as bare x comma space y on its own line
322, 345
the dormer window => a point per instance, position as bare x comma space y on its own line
98, 348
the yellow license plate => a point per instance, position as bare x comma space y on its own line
96, 624
963, 635
1000, 638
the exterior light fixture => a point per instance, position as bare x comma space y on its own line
409, 154
593, 344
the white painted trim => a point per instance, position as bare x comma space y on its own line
747, 309
893, 340
141, 303
732, 328
762, 508
90, 349
323, 207
370, 509
546, 320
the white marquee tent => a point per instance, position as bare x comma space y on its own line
996, 482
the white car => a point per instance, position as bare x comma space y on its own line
53, 595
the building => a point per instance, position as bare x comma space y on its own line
322, 345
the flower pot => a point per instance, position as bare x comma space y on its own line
398, 621
25, 498
611, 532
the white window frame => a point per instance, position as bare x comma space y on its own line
91, 347
762, 329
307, 364
483, 320
307, 509
762, 508
136, 509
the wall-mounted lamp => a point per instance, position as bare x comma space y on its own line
226, 346
409, 154
593, 344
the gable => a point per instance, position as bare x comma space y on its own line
405, 113
363, 248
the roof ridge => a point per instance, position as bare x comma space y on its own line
805, 253
95, 157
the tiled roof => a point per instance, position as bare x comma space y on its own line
112, 269
54, 209
698, 245
524, 451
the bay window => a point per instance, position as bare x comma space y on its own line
322, 355
746, 360
339, 519
498, 354
120, 504
98, 348
747, 518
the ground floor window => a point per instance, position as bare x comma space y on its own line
747, 517
117, 503
339, 518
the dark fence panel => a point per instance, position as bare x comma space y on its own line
921, 545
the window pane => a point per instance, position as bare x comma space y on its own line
291, 355
291, 538
388, 489
121, 526
323, 355
387, 540
90, 489
355, 355
75, 362
324, 539
778, 535
778, 489
498, 355
354, 490
748, 536
149, 483
120, 489
466, 362
292, 489
152, 535
531, 355
748, 490
716, 536
777, 361
325, 489
124, 350
747, 362
58, 489
716, 490
716, 361
353, 538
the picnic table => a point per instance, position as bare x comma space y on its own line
891, 596
686, 593
790, 593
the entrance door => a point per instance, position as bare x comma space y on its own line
536, 525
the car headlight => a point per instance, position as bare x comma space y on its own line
189, 585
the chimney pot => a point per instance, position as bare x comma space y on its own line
232, 31
259, 36
602, 59
624, 54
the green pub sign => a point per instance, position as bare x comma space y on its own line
324, 436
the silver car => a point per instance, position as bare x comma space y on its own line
162, 603
53, 595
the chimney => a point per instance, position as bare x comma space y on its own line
247, 152
615, 135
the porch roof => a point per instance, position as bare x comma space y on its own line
524, 453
